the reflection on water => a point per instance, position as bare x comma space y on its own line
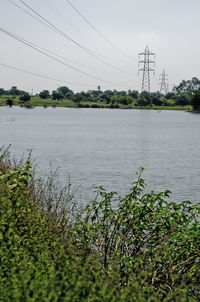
96, 146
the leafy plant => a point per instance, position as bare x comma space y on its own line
140, 247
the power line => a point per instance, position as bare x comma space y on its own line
46, 54
25, 11
55, 59
74, 62
40, 75
51, 28
54, 28
98, 32
69, 60
65, 19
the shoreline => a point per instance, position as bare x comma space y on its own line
101, 106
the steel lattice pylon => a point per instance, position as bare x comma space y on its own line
163, 82
146, 69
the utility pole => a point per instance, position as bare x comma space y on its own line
163, 82
146, 69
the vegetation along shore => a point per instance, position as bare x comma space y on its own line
140, 247
185, 96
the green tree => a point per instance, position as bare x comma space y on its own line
56, 95
195, 101
170, 95
194, 84
120, 93
182, 99
65, 91
156, 98
141, 101
126, 100
188, 86
144, 99
106, 98
14, 91
25, 97
9, 102
44, 94
2, 91
78, 98
133, 93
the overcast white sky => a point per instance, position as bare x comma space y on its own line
169, 28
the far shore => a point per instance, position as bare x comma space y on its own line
36, 102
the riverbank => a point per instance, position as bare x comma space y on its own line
37, 101
136, 248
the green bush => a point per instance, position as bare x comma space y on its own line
25, 97
137, 248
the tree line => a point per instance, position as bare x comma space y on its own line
186, 93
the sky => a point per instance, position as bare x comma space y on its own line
81, 58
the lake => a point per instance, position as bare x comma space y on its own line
106, 147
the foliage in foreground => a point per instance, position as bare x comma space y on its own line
136, 248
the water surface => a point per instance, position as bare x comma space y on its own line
106, 147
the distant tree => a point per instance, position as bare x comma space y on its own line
182, 87
65, 91
78, 98
170, 102
2, 91
194, 84
164, 101
167, 102
94, 93
170, 95
144, 99
126, 100
44, 94
133, 93
156, 98
156, 101
25, 97
195, 101
106, 98
56, 95
83, 93
183, 99
121, 93
9, 102
14, 91
88, 97
188, 86
115, 99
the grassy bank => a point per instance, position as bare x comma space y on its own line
137, 248
37, 101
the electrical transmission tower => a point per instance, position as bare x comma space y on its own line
146, 69
163, 82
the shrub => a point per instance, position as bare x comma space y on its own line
44, 94
9, 102
137, 248
196, 100
25, 97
